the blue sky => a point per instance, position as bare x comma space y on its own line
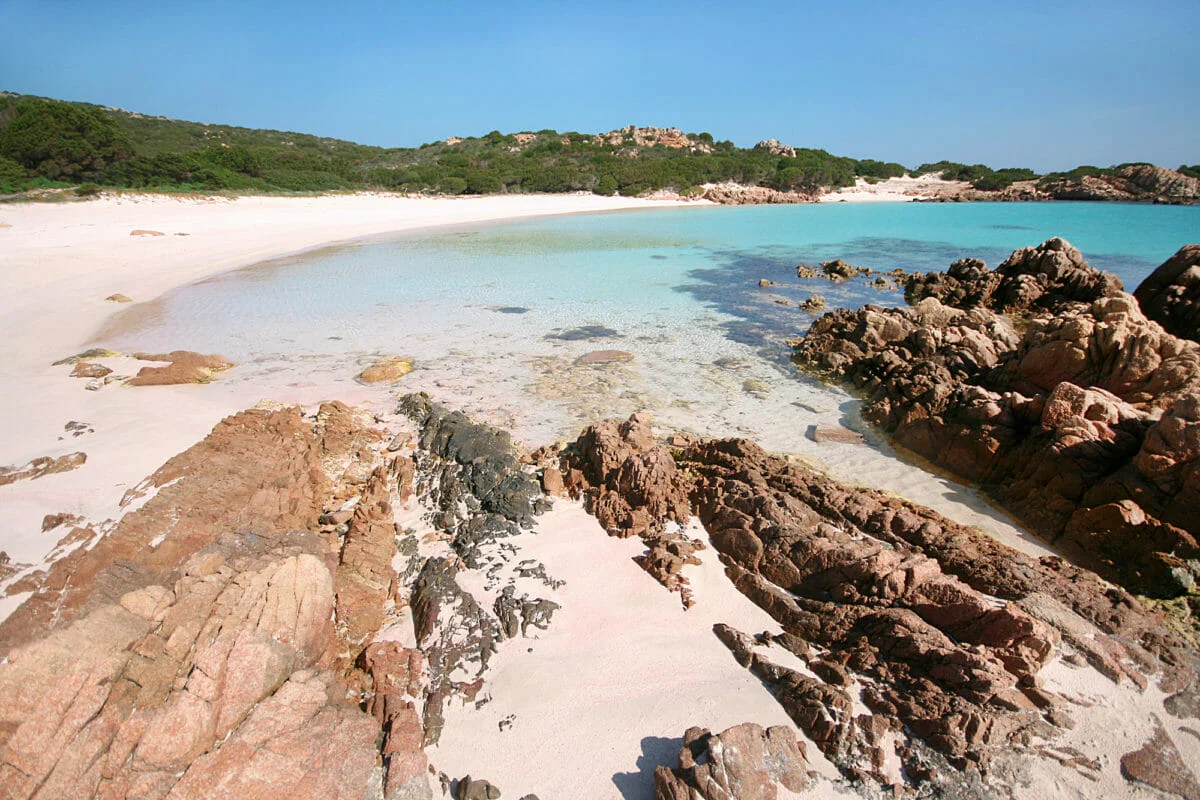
1048, 85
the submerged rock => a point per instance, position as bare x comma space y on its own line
185, 367
604, 357
389, 369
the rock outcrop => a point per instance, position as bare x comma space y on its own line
942, 630
631, 485
650, 137
1081, 425
1171, 294
1043, 278
42, 466
745, 762
184, 649
776, 148
737, 195
1132, 183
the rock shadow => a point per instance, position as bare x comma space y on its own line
656, 750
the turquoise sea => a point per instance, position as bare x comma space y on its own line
497, 315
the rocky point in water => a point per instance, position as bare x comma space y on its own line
1046, 384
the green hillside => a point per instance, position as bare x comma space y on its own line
46, 143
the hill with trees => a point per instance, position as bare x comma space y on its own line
52, 143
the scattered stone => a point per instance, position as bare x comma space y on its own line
40, 467
838, 270
88, 369
680, 439
399, 442
119, 298
389, 369
141, 232
755, 387
87, 355
764, 283
510, 309
77, 429
604, 357
469, 789
805, 272
813, 304
1159, 764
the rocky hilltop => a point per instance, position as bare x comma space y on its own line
304, 605
1046, 384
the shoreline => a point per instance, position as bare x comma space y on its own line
62, 260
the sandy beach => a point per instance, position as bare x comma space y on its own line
61, 260
622, 660
904, 189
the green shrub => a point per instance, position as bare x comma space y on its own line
453, 185
605, 185
62, 141
869, 168
87, 190
13, 176
1003, 178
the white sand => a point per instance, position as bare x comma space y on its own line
623, 671
895, 190
58, 263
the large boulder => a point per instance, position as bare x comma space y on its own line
1171, 294
744, 761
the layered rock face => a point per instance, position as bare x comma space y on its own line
1083, 425
1138, 183
190, 646
1171, 294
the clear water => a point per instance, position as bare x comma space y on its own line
491, 314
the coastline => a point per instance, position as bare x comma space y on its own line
62, 260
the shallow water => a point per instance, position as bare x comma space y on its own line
496, 316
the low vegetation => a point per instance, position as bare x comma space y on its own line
49, 143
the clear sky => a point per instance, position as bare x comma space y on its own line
1048, 85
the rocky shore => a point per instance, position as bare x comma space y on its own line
306, 604
1046, 384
